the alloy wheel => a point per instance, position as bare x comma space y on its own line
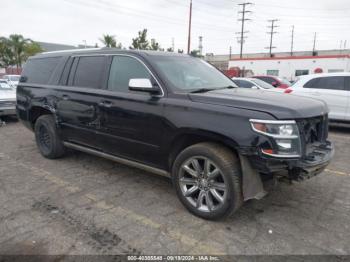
202, 184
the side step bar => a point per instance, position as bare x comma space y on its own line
117, 159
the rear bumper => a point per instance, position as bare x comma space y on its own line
8, 111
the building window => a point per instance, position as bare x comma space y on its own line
272, 72
301, 72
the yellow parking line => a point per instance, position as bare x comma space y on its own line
339, 173
187, 241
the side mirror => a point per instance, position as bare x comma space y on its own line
143, 85
255, 87
275, 84
23, 79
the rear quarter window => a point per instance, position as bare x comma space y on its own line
40, 70
89, 71
330, 83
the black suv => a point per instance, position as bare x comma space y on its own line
173, 115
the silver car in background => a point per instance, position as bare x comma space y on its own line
7, 99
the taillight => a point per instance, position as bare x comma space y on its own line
288, 91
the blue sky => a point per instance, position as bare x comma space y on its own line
72, 21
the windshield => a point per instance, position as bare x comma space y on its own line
14, 78
190, 74
261, 83
284, 81
5, 86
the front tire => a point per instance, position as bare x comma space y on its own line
47, 138
207, 179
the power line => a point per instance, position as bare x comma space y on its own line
271, 33
243, 19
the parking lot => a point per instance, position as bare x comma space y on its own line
82, 204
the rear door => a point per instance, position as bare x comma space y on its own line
332, 90
78, 98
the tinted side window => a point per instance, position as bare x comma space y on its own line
347, 83
313, 83
89, 71
123, 69
332, 83
39, 71
244, 84
267, 79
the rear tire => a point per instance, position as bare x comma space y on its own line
207, 179
47, 139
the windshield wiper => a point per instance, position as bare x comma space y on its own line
203, 90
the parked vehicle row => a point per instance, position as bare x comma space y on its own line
173, 115
332, 88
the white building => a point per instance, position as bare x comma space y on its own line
291, 67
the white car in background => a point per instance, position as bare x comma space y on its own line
253, 83
333, 88
7, 99
13, 80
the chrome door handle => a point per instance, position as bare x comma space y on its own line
65, 97
106, 103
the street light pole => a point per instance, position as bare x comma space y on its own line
189, 30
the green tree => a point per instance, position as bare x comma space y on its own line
155, 45
110, 41
31, 49
16, 49
170, 49
180, 51
141, 41
6, 54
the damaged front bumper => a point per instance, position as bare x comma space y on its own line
255, 166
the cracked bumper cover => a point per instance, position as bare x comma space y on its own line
254, 165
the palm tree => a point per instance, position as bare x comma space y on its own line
110, 41
6, 55
17, 44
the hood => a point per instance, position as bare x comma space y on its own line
280, 105
8, 95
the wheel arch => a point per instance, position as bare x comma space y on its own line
189, 137
36, 111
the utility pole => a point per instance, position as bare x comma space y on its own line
292, 43
200, 46
173, 44
230, 52
189, 30
242, 20
314, 48
271, 33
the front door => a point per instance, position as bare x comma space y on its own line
132, 122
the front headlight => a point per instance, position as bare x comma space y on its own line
284, 136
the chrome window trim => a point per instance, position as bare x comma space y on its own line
132, 56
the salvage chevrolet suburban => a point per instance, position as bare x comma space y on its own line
173, 115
